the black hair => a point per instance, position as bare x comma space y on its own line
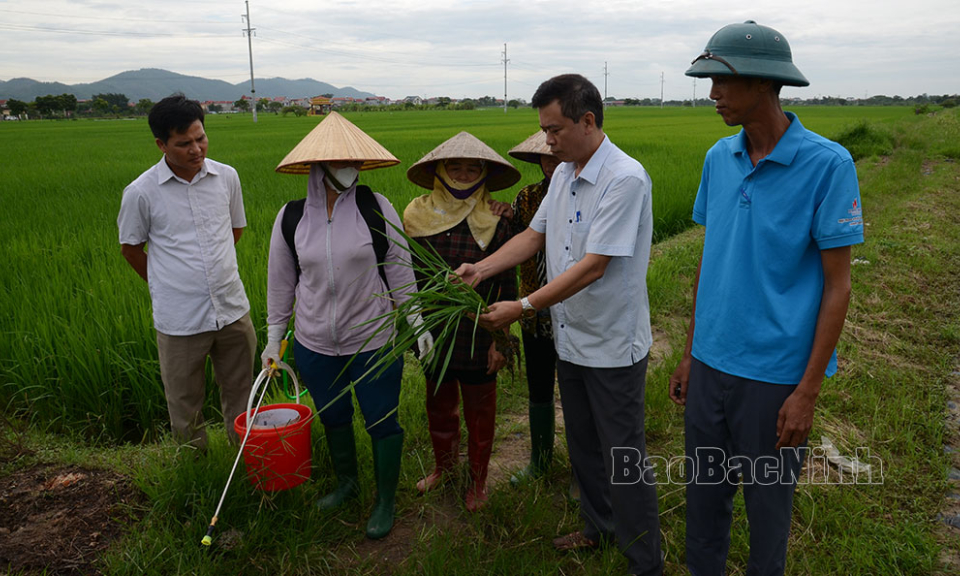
576, 95
173, 113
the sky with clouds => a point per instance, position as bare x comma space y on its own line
397, 48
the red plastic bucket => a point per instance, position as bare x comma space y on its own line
277, 457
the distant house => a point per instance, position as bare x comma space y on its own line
319, 106
414, 100
224, 106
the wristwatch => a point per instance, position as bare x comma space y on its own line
528, 310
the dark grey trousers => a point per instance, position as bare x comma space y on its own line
603, 412
731, 430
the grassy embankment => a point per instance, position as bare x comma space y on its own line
897, 353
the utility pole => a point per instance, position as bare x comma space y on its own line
505, 60
661, 90
249, 32
694, 92
605, 74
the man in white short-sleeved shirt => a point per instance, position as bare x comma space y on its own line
178, 225
595, 225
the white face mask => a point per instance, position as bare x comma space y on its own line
345, 177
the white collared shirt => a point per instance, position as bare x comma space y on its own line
606, 210
191, 261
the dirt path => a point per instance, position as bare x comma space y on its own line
511, 452
57, 520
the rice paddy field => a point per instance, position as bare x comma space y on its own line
78, 349
80, 385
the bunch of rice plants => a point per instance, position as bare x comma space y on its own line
443, 301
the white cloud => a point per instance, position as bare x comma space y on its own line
433, 47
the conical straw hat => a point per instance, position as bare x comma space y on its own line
531, 149
336, 138
501, 173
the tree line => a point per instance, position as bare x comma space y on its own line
67, 106
113, 104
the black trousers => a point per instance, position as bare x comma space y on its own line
603, 412
731, 435
540, 360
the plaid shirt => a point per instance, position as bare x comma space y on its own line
533, 272
456, 246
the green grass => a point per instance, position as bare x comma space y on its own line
865, 140
78, 359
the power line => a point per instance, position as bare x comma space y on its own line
21, 27
515, 81
360, 55
300, 15
527, 67
357, 55
418, 64
100, 18
419, 86
410, 61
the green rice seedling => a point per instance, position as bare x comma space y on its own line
443, 301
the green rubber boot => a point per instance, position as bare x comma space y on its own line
541, 443
343, 453
386, 471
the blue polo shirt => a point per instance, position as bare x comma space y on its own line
761, 280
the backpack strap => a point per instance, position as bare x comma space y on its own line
369, 209
292, 214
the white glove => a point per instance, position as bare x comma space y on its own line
272, 350
424, 340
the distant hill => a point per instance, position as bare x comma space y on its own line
155, 84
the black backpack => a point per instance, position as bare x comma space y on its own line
369, 208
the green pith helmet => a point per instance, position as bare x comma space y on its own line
748, 49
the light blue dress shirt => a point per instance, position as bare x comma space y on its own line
606, 210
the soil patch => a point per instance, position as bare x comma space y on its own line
385, 557
57, 520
